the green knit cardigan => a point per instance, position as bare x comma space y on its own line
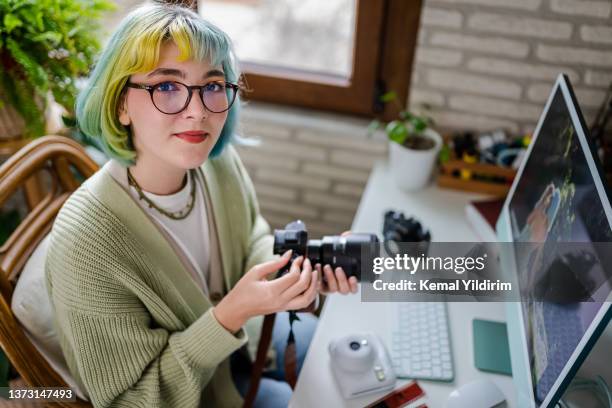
134, 327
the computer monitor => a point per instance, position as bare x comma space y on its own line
558, 197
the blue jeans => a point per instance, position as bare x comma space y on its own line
273, 390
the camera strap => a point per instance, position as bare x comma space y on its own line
290, 353
260, 359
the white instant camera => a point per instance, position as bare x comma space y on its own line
361, 365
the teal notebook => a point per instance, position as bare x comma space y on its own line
491, 349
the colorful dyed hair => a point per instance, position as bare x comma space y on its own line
134, 48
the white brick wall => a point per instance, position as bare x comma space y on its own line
483, 64
485, 44
596, 34
441, 18
510, 4
314, 170
454, 81
574, 55
598, 78
597, 9
519, 26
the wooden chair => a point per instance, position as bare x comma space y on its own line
57, 156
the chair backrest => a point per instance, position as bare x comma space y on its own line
61, 158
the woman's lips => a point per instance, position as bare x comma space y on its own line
192, 137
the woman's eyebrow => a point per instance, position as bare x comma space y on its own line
213, 72
167, 71
181, 74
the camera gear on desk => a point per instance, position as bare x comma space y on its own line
337, 251
397, 229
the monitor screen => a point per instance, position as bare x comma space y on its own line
560, 220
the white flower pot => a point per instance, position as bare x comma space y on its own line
412, 169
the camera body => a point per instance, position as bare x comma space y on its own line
349, 252
361, 365
398, 229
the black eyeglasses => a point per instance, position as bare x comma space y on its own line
171, 97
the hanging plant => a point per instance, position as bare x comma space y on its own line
44, 46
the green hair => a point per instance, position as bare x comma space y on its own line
134, 48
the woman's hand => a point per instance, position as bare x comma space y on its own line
335, 281
255, 295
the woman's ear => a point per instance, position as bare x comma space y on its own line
124, 117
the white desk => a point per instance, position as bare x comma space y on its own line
442, 212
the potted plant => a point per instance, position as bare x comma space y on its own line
414, 146
45, 45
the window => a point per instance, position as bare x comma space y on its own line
337, 55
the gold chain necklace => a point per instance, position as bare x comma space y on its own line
175, 215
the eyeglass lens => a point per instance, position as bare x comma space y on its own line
171, 97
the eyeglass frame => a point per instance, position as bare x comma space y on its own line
190, 89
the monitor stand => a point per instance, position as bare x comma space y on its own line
491, 348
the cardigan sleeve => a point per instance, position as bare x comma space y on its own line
111, 342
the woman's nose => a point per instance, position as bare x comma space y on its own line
196, 108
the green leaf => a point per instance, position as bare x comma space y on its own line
388, 97
32, 69
445, 154
53, 37
397, 131
405, 115
419, 124
39, 21
11, 22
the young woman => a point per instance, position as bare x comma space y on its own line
161, 258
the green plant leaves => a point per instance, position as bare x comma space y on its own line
408, 124
35, 73
45, 45
389, 96
397, 131
11, 22
53, 37
418, 124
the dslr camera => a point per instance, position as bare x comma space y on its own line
349, 252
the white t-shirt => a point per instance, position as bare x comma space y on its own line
191, 233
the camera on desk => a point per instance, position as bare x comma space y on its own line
337, 251
361, 365
398, 229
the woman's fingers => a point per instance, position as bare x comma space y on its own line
343, 284
290, 278
306, 298
302, 284
332, 285
353, 284
320, 285
264, 269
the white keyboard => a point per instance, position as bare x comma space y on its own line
421, 346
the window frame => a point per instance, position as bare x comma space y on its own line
384, 47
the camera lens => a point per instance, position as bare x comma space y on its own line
354, 345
